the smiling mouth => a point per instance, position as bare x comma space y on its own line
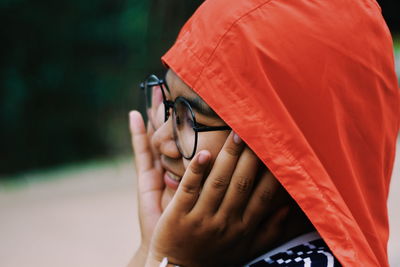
173, 176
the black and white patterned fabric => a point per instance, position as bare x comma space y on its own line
314, 253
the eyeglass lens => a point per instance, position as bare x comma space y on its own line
183, 128
182, 116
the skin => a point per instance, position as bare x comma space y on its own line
162, 139
228, 207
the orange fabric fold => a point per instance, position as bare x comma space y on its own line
310, 86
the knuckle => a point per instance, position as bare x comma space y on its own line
190, 189
196, 169
197, 224
232, 150
243, 184
220, 228
242, 230
249, 223
265, 195
219, 183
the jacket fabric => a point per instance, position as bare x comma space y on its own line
310, 86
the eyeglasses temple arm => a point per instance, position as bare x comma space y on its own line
211, 128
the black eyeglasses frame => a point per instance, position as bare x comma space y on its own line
168, 104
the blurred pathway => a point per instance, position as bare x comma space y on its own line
83, 217
86, 217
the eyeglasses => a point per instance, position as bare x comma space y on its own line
185, 127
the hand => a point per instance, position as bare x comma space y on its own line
204, 225
153, 197
150, 184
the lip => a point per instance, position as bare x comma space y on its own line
171, 179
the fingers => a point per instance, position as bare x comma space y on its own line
220, 176
241, 184
155, 152
190, 185
260, 201
140, 143
157, 110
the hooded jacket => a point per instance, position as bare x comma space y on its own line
310, 86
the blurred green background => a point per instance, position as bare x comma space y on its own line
69, 72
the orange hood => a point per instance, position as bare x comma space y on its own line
310, 86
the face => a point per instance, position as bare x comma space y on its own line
172, 161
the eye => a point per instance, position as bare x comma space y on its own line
190, 119
190, 122
177, 120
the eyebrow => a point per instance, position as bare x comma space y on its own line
200, 106
196, 103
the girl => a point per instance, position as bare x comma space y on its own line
311, 96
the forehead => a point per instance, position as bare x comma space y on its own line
178, 88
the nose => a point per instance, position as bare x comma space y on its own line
163, 140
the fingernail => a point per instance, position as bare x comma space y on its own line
236, 138
203, 157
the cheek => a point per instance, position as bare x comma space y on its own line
212, 141
186, 163
158, 115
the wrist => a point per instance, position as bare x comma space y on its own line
143, 249
139, 258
